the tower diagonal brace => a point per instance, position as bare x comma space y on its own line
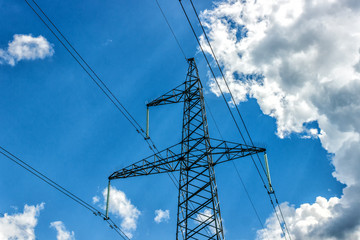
198, 215
169, 159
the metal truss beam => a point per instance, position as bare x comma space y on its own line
194, 158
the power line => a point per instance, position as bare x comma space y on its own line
242, 120
106, 90
225, 81
234, 102
173, 33
212, 72
282, 215
125, 113
96, 79
182, 51
61, 189
237, 172
85, 66
222, 93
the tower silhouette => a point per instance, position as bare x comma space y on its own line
198, 214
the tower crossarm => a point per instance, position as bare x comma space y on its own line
165, 161
195, 157
169, 160
224, 151
175, 95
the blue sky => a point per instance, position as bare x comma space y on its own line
55, 118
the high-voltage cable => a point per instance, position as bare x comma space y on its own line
237, 171
238, 174
221, 72
172, 31
183, 53
101, 85
213, 74
211, 70
96, 79
194, 157
85, 66
271, 190
225, 81
62, 190
217, 82
242, 120
213, 54
98, 82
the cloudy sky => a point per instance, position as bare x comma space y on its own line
294, 70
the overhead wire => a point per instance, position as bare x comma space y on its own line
181, 49
226, 83
242, 120
95, 77
61, 189
97, 80
108, 94
238, 174
222, 93
172, 31
126, 112
237, 171
105, 89
282, 215
208, 231
234, 102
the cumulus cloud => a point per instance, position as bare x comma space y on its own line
25, 47
206, 217
325, 219
95, 199
161, 216
20, 225
121, 206
300, 60
62, 233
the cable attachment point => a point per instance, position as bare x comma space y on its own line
107, 203
147, 124
271, 190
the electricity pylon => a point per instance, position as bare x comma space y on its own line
198, 214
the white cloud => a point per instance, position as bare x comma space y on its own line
161, 215
206, 217
300, 60
62, 233
325, 219
121, 206
26, 47
20, 225
95, 199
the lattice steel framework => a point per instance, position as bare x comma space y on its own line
198, 215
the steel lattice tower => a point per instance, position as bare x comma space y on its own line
198, 215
